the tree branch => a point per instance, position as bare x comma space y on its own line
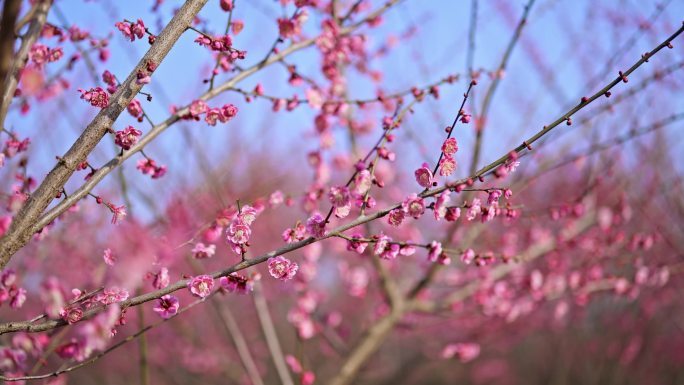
271, 335
23, 223
39, 16
10, 12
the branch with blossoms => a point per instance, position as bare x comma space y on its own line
404, 295
20, 230
203, 284
314, 99
167, 316
12, 241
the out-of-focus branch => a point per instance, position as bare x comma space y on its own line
11, 80
531, 253
271, 335
378, 333
481, 120
10, 12
233, 330
369, 344
142, 349
239, 340
21, 229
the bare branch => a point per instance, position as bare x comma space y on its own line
271, 335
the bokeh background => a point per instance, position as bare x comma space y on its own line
567, 50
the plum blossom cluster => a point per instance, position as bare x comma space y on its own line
413, 206
342, 197
476, 208
437, 254
94, 336
240, 230
294, 234
9, 291
469, 256
127, 137
73, 312
282, 268
447, 165
292, 26
238, 283
132, 30
149, 167
213, 115
223, 44
110, 80
135, 109
13, 146
385, 248
201, 285
40, 54
160, 279
315, 225
97, 97
23, 346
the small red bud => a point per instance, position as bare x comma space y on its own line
607, 94
624, 78
585, 99
513, 155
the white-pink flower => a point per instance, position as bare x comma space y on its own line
201, 285
282, 268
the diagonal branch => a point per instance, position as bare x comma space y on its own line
21, 230
271, 335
